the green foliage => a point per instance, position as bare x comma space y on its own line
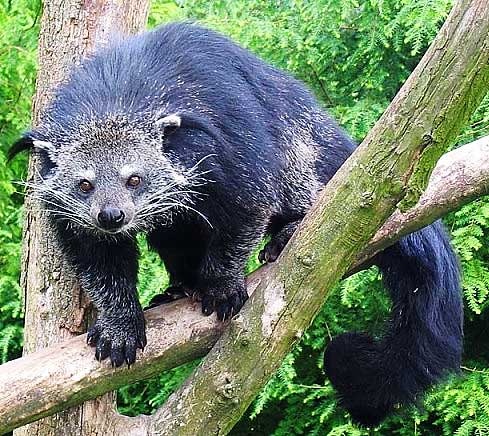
18, 40
462, 406
146, 396
164, 11
470, 232
354, 54
152, 277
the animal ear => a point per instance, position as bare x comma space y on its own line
188, 120
28, 143
169, 123
48, 149
22, 144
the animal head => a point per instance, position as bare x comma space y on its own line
114, 176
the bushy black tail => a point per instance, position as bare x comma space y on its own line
424, 337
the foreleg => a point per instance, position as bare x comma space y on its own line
221, 282
108, 273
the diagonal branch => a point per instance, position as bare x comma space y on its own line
64, 375
459, 177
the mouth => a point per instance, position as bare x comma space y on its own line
112, 230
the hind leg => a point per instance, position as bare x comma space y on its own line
182, 254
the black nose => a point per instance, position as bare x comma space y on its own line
111, 218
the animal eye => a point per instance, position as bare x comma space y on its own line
133, 181
85, 186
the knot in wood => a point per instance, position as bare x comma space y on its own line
227, 388
306, 259
367, 198
244, 342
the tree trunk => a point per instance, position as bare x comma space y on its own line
55, 307
66, 374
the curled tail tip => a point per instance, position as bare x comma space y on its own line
373, 378
351, 362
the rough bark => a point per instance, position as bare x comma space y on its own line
55, 307
459, 177
67, 374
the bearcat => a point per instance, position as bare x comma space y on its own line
183, 135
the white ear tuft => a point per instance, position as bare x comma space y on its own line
172, 120
48, 147
44, 145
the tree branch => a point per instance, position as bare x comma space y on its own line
459, 177
64, 375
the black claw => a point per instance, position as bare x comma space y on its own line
118, 339
102, 349
130, 353
142, 342
207, 305
117, 357
171, 294
222, 311
158, 300
92, 336
271, 251
207, 311
226, 303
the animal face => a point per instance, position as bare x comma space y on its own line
110, 178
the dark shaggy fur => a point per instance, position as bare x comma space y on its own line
183, 135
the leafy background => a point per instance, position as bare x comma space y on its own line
354, 55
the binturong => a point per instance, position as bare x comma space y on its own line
185, 137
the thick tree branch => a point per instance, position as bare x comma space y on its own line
459, 177
64, 375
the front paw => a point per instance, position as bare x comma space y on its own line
225, 296
117, 338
